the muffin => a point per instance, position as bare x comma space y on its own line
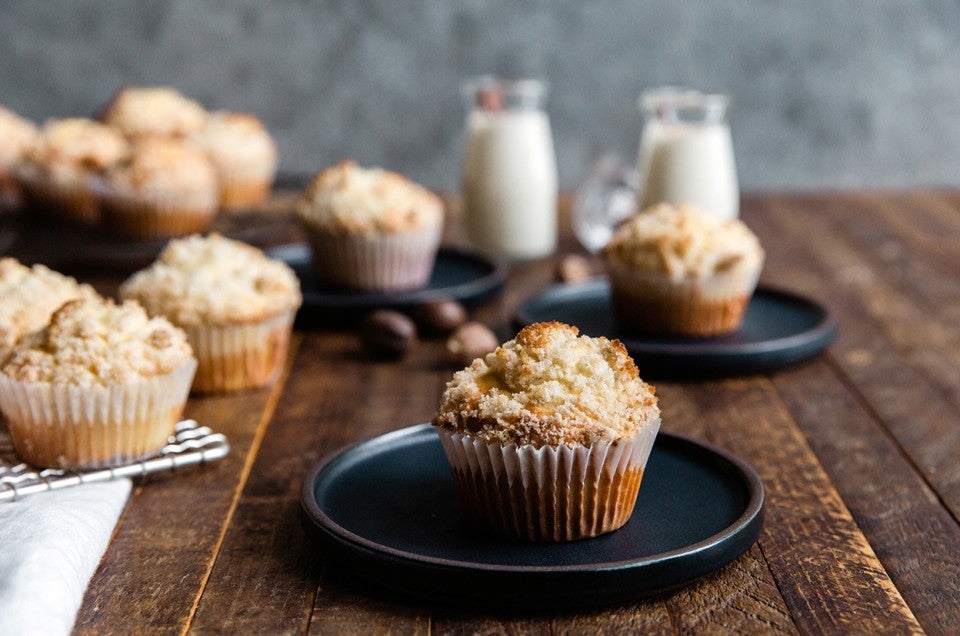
17, 138
236, 305
57, 175
29, 295
163, 189
243, 154
370, 229
680, 272
548, 436
101, 385
153, 112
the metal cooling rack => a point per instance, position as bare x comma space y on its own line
190, 444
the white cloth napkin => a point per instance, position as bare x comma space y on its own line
50, 545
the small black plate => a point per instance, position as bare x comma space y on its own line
385, 511
464, 276
779, 329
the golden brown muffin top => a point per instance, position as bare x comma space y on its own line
154, 111
350, 199
29, 295
549, 386
98, 343
237, 142
214, 280
683, 241
77, 143
19, 136
163, 165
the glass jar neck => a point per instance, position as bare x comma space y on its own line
684, 105
489, 93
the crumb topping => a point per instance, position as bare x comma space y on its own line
237, 141
98, 343
549, 386
214, 280
29, 295
19, 136
164, 165
154, 111
682, 241
348, 198
77, 143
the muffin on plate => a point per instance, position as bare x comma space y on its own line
57, 175
157, 111
243, 154
675, 270
17, 138
101, 384
164, 188
236, 305
29, 295
371, 229
548, 436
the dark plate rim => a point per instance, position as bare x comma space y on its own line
751, 516
478, 287
823, 331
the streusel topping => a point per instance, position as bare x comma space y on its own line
98, 343
29, 295
214, 280
164, 165
237, 142
18, 135
549, 386
351, 199
154, 111
683, 241
76, 142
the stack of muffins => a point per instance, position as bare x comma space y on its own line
85, 382
155, 165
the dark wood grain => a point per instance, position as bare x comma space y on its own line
857, 450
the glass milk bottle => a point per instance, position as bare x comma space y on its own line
509, 169
686, 153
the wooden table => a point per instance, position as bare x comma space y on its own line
858, 451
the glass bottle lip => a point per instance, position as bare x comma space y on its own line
684, 105
492, 93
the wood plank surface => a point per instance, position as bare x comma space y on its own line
857, 451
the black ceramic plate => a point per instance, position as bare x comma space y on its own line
465, 276
779, 328
385, 512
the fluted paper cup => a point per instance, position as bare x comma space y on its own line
70, 199
240, 356
66, 426
653, 303
552, 493
151, 215
374, 262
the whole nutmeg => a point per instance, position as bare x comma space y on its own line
470, 341
574, 268
387, 333
440, 316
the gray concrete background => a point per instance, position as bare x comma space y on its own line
825, 93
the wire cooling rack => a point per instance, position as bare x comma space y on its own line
190, 444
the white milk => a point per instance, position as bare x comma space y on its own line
684, 161
510, 183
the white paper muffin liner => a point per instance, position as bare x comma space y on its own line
156, 214
552, 493
240, 356
653, 302
374, 262
245, 184
67, 426
68, 199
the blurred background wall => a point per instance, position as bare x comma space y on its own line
825, 93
